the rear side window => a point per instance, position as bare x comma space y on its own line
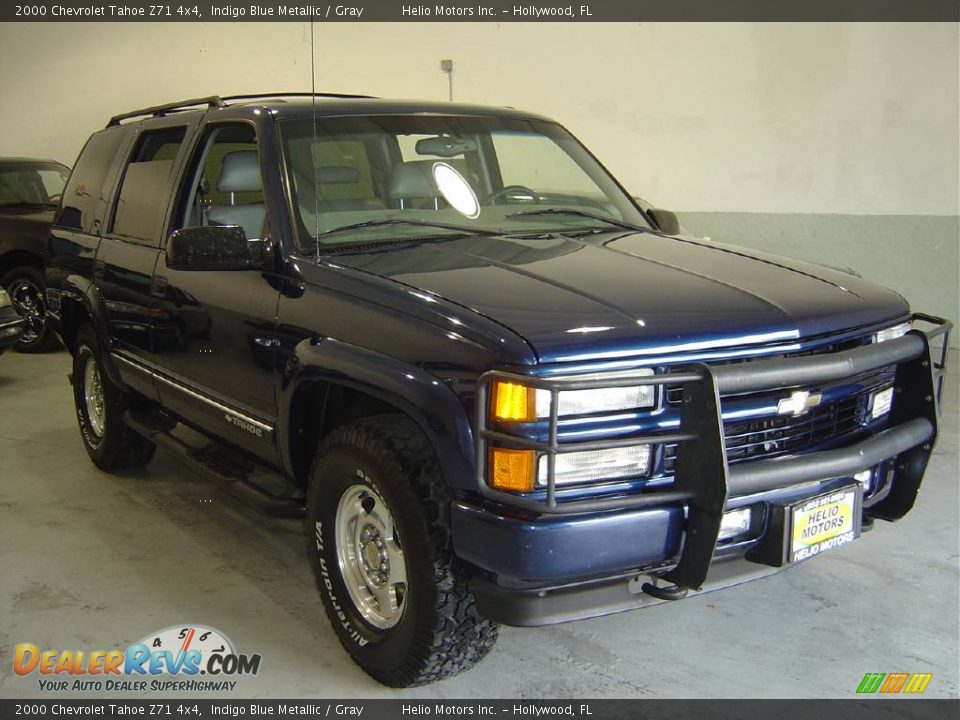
86, 194
141, 203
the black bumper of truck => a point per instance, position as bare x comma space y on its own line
11, 328
704, 481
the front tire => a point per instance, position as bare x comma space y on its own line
399, 601
27, 292
100, 407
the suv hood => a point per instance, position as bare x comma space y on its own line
623, 294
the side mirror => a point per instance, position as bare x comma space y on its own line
666, 221
216, 247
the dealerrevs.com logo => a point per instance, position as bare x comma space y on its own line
179, 658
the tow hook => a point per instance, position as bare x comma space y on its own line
666, 592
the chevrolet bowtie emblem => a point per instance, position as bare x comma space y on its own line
798, 403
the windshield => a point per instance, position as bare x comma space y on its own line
31, 184
378, 178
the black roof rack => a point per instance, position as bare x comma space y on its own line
254, 96
215, 101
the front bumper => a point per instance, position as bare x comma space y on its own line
533, 608
554, 559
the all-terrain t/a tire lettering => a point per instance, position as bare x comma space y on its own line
438, 633
100, 406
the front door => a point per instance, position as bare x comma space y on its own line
214, 331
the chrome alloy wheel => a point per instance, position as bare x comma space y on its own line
371, 557
93, 397
27, 299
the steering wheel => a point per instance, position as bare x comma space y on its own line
511, 190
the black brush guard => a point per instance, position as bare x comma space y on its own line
703, 479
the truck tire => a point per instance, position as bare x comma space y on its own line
381, 548
100, 407
27, 291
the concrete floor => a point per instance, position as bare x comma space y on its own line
93, 561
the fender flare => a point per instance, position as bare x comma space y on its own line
422, 396
82, 291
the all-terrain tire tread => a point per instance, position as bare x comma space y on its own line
131, 450
460, 637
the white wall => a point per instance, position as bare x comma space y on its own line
786, 137
822, 118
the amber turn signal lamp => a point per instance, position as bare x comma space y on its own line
512, 401
512, 470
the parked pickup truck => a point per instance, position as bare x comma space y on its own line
500, 392
30, 190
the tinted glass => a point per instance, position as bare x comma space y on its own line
223, 186
86, 193
24, 183
484, 174
141, 203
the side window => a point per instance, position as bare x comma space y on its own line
224, 185
85, 196
140, 207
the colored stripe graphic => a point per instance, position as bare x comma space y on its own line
918, 682
871, 682
894, 682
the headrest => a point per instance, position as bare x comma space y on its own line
413, 180
337, 175
239, 172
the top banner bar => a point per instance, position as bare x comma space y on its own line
484, 11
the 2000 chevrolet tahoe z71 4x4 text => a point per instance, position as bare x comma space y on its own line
501, 390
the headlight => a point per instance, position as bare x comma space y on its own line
4, 299
892, 333
513, 401
514, 470
594, 465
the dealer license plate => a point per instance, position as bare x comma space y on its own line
824, 522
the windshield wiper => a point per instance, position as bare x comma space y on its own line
400, 221
579, 213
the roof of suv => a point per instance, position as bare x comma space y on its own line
305, 105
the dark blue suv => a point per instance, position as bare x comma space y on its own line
499, 390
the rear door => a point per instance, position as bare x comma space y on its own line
132, 240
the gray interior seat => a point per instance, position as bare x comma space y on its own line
239, 172
339, 175
412, 181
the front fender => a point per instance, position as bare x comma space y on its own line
420, 395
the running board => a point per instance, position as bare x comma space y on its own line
228, 471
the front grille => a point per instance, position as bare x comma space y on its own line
674, 393
771, 436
